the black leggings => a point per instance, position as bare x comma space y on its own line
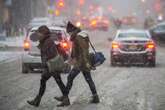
87, 75
44, 78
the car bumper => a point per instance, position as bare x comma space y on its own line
140, 57
34, 65
32, 61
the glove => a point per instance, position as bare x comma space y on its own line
90, 67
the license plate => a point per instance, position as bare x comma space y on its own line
132, 47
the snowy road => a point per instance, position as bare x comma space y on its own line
120, 88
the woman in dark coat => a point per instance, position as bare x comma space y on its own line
48, 50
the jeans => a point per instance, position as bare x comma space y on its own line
87, 75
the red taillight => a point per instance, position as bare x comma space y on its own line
150, 45
65, 45
115, 45
26, 44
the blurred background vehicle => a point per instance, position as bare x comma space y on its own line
158, 32
133, 46
38, 21
129, 20
59, 21
149, 22
31, 58
99, 23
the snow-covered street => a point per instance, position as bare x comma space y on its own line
120, 88
12, 42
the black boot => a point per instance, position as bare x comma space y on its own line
61, 98
65, 102
35, 102
95, 99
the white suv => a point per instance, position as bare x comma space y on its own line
31, 58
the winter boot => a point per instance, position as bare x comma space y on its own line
65, 102
35, 102
61, 98
95, 99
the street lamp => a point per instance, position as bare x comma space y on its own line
143, 1
160, 17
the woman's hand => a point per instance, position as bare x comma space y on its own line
72, 61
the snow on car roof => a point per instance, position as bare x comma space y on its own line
134, 31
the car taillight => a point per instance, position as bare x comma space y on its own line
93, 23
115, 45
26, 45
65, 45
150, 45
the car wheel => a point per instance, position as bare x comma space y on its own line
152, 63
25, 69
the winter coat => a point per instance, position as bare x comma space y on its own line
48, 50
80, 51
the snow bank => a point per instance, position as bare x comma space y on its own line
12, 42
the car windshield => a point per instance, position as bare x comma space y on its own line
162, 27
133, 35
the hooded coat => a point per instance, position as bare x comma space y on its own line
80, 52
47, 46
80, 48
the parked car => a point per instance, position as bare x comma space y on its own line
129, 20
102, 24
133, 46
3, 36
31, 58
158, 31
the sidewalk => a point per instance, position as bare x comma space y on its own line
12, 42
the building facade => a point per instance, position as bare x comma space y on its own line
16, 14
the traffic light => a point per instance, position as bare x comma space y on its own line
78, 12
57, 12
50, 2
158, 6
143, 1
110, 8
60, 4
81, 2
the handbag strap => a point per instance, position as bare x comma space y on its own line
57, 51
92, 46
